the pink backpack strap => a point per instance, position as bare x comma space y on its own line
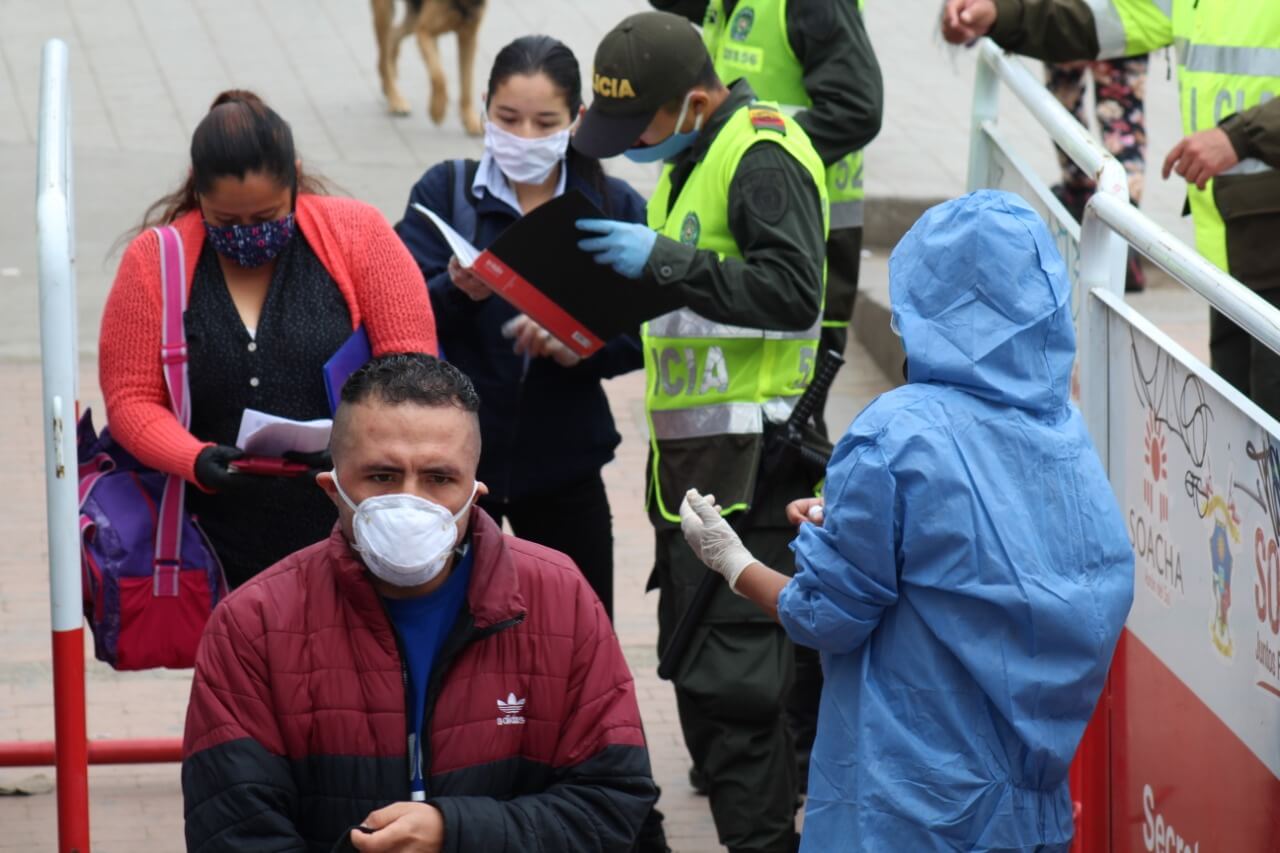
173, 359
173, 339
93, 471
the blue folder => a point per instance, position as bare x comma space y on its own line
348, 358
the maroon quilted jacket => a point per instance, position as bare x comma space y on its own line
297, 727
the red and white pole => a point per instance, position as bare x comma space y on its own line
55, 232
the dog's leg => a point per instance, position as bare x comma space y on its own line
388, 47
402, 31
466, 67
431, 56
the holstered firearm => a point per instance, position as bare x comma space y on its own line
782, 446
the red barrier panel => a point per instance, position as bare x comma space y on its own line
1091, 781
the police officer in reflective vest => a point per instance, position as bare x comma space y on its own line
738, 229
1228, 55
813, 57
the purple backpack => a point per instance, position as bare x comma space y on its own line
151, 578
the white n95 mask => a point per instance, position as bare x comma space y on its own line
404, 540
525, 160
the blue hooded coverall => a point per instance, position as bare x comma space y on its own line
972, 574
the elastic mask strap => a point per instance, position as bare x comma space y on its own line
697, 122
684, 110
466, 506
341, 493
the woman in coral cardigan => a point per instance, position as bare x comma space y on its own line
278, 277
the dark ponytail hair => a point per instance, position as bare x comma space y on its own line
239, 134
530, 55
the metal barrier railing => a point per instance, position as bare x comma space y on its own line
1245, 308
996, 67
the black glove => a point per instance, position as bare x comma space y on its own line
319, 462
213, 468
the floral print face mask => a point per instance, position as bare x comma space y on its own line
251, 245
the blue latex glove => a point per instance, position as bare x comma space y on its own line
625, 246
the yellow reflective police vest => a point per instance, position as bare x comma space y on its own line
1228, 56
703, 378
752, 43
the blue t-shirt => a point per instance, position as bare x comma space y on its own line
423, 623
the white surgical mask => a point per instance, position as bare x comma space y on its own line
525, 161
403, 539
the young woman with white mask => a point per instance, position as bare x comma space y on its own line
545, 422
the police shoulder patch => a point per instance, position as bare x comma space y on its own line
766, 118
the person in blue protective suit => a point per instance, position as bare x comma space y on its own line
968, 573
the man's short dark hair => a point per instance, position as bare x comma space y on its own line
411, 377
707, 79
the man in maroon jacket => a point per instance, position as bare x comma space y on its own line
418, 681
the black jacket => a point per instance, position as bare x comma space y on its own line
544, 426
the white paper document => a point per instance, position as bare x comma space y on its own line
462, 250
270, 435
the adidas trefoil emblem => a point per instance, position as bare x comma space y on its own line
512, 711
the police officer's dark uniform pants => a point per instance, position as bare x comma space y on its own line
731, 695
1244, 362
844, 258
1251, 231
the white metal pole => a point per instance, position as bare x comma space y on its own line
1103, 255
986, 106
57, 342
58, 351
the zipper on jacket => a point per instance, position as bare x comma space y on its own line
455, 644
408, 700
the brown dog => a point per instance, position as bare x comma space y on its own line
427, 20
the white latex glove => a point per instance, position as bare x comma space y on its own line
712, 539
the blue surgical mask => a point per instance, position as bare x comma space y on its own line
672, 145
